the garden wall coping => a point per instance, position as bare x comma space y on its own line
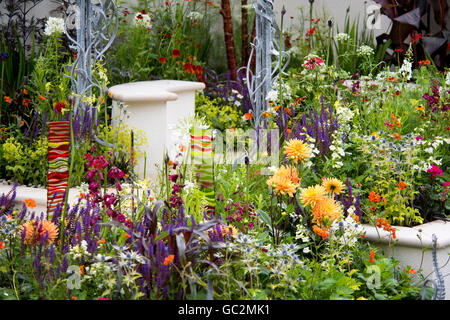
417, 237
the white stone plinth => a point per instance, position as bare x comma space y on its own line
413, 247
154, 107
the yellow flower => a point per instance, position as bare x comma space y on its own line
297, 150
325, 211
284, 181
332, 185
313, 194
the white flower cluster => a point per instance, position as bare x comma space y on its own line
406, 70
195, 15
274, 94
340, 37
364, 51
302, 234
345, 116
143, 19
346, 231
54, 26
79, 251
447, 79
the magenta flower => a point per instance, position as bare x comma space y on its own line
115, 173
419, 138
435, 171
446, 184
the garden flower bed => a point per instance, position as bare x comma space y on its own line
306, 167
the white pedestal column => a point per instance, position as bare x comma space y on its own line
155, 106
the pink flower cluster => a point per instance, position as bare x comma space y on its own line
435, 171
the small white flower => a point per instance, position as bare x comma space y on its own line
364, 51
342, 37
54, 26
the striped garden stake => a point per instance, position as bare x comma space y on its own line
58, 164
202, 159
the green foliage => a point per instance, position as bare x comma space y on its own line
217, 113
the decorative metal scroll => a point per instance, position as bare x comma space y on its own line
202, 158
265, 47
439, 286
58, 164
96, 23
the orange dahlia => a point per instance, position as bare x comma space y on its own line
284, 181
326, 211
297, 150
332, 185
35, 231
311, 195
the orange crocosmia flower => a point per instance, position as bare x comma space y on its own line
42, 98
324, 233
248, 116
401, 185
7, 99
424, 62
82, 269
412, 271
26, 102
30, 203
397, 136
396, 120
101, 241
1, 245
391, 126
384, 200
25, 91
126, 235
372, 256
168, 259
374, 197
372, 208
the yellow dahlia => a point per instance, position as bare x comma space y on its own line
332, 185
313, 194
35, 231
297, 150
326, 211
284, 181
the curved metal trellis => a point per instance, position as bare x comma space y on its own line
265, 46
93, 22
439, 286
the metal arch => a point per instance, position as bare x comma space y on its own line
264, 47
93, 22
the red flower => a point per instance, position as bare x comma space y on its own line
162, 60
59, 106
143, 12
374, 197
401, 185
399, 50
415, 37
139, 17
176, 53
188, 67
26, 102
310, 32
